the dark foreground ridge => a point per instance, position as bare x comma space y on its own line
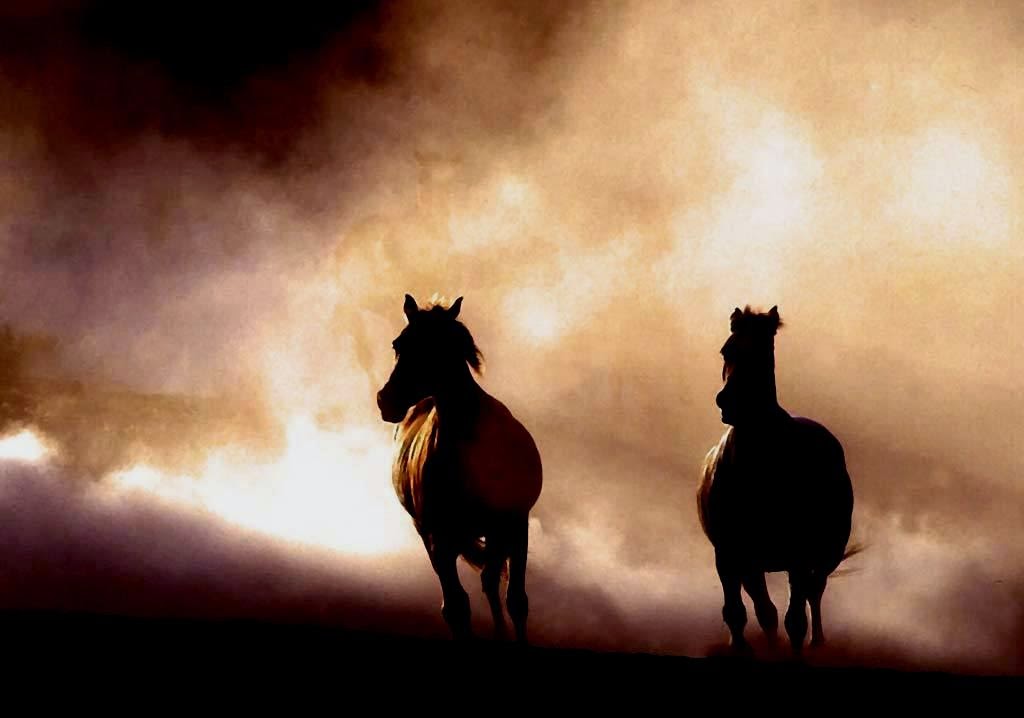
240, 657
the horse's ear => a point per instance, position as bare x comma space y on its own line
736, 314
774, 312
456, 307
410, 307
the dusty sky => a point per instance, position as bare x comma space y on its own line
207, 203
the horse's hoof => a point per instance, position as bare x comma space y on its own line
741, 648
773, 645
463, 635
520, 644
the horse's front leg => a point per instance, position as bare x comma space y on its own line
455, 600
816, 588
733, 611
764, 609
796, 615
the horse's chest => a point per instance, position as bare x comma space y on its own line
754, 487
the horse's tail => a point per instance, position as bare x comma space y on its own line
476, 555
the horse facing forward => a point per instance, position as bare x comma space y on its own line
775, 493
465, 469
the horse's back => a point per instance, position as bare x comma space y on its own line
812, 435
500, 462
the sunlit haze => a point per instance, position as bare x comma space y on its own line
603, 183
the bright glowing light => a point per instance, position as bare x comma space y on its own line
955, 189
587, 282
514, 192
745, 238
779, 168
538, 321
25, 446
328, 489
499, 216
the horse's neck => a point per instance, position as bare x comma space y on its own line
766, 393
459, 404
765, 429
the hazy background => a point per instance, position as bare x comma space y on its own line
234, 205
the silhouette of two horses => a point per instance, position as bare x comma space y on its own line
775, 493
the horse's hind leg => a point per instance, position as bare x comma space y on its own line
490, 579
455, 600
816, 590
517, 600
733, 611
764, 609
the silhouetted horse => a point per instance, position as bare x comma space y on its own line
775, 494
465, 469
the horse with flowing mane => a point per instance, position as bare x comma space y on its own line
775, 494
465, 469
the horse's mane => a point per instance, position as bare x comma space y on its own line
752, 331
438, 307
438, 301
417, 436
750, 321
709, 471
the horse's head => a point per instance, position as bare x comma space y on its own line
432, 351
748, 369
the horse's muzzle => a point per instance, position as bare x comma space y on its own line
388, 411
724, 402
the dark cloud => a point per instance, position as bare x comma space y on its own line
91, 77
92, 549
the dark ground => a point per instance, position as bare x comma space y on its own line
251, 660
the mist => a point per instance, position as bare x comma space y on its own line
603, 185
